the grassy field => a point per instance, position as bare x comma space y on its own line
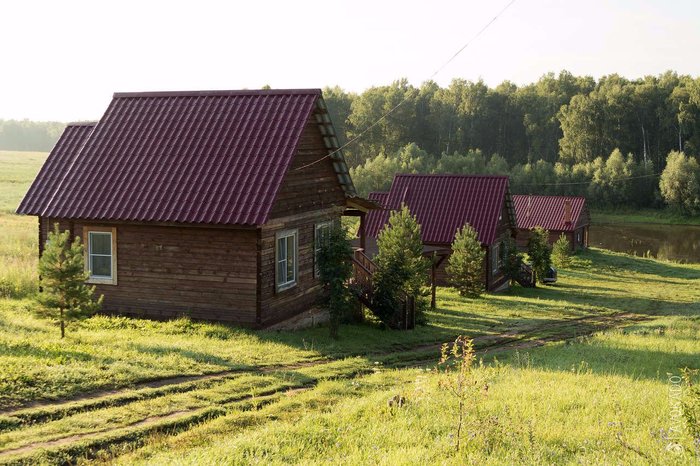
577, 373
17, 234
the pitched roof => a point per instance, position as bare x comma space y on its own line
215, 157
50, 175
444, 203
547, 211
376, 219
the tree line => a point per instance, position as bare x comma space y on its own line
608, 139
25, 135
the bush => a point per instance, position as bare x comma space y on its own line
465, 267
512, 260
539, 252
335, 269
561, 252
401, 269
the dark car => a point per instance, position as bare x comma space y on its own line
551, 276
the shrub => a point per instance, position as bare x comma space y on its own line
561, 252
512, 260
401, 269
539, 252
335, 269
465, 267
63, 276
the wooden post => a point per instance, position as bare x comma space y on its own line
432, 284
363, 244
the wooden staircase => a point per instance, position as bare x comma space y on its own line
526, 276
363, 288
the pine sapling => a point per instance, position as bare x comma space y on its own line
63, 276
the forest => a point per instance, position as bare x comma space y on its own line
607, 139
26, 135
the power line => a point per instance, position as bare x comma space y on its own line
405, 98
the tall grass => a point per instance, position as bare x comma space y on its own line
18, 235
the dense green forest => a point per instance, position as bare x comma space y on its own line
564, 134
29, 135
610, 140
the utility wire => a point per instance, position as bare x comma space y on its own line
406, 95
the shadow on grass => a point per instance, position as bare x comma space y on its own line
197, 356
602, 359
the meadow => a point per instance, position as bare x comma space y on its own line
578, 372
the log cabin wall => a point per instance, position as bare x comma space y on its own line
171, 271
308, 196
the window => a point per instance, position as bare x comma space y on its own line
101, 256
286, 259
321, 235
496, 258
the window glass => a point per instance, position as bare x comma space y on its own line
286, 259
100, 243
322, 236
100, 254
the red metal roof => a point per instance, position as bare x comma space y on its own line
547, 211
214, 157
444, 203
50, 175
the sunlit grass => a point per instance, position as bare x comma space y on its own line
565, 404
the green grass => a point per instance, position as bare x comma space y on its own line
601, 400
18, 235
660, 216
111, 352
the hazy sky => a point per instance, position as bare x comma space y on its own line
62, 60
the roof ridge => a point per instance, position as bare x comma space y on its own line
82, 123
217, 93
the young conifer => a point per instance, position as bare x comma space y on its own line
62, 269
465, 267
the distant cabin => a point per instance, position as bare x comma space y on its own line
207, 204
566, 215
442, 204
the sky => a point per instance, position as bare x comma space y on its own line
62, 60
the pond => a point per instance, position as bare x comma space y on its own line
679, 243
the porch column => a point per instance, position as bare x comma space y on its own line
363, 244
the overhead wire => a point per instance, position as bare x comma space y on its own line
406, 95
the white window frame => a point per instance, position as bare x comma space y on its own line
100, 279
284, 283
318, 229
495, 258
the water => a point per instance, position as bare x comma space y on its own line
679, 243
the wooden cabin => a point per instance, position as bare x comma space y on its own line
559, 215
442, 204
206, 204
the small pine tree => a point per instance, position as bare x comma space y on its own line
512, 260
561, 252
63, 276
335, 269
465, 267
539, 252
401, 267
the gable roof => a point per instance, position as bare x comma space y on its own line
444, 203
215, 157
49, 177
547, 211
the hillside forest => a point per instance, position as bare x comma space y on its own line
615, 140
